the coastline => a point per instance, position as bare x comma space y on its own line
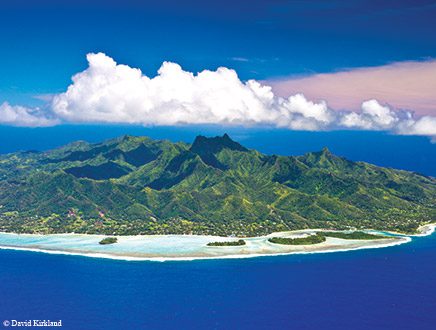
425, 230
187, 247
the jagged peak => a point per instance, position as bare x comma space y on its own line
324, 158
323, 153
326, 151
125, 137
215, 144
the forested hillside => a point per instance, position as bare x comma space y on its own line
136, 185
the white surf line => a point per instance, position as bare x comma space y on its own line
403, 240
426, 230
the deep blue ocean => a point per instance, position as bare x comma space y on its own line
388, 288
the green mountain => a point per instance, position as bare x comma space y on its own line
136, 185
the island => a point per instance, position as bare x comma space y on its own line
214, 186
352, 235
227, 243
108, 240
307, 240
321, 236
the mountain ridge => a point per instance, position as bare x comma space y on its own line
137, 185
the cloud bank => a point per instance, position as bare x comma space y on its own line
16, 115
407, 85
112, 93
107, 92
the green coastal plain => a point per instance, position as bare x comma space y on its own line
320, 237
214, 186
308, 240
229, 243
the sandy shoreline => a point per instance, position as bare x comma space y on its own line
426, 230
187, 247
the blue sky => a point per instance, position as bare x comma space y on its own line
309, 50
331, 65
44, 43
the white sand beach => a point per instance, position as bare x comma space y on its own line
426, 230
184, 247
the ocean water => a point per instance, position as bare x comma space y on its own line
386, 288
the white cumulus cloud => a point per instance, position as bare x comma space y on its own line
423, 126
110, 92
16, 115
373, 116
107, 92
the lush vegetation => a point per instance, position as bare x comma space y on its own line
321, 237
307, 240
135, 185
228, 243
108, 240
352, 235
